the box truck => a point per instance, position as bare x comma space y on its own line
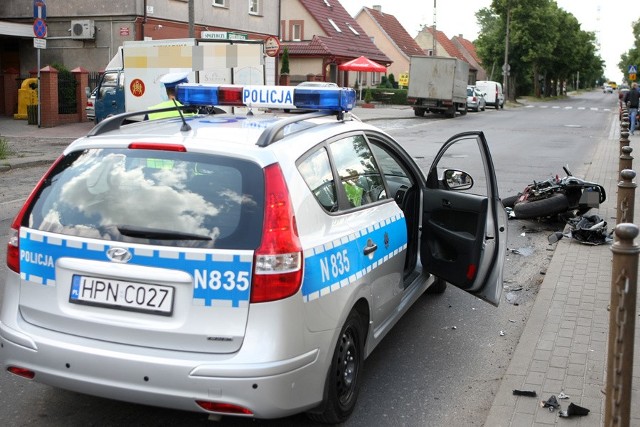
131, 80
438, 84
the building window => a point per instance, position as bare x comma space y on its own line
296, 30
219, 3
335, 26
375, 78
353, 30
255, 7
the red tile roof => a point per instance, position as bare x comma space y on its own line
448, 45
341, 44
470, 47
395, 31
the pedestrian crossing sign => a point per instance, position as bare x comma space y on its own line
633, 69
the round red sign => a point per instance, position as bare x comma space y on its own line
272, 46
137, 87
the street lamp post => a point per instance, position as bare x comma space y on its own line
505, 67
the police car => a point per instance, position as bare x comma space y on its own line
242, 263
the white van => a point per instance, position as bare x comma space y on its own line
493, 93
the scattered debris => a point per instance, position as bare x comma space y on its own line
563, 396
529, 393
454, 327
574, 410
551, 403
501, 333
587, 229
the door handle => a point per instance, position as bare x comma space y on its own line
370, 248
446, 203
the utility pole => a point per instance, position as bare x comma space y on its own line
435, 43
505, 67
192, 30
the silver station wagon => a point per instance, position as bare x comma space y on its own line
240, 264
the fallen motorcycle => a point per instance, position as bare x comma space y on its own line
569, 196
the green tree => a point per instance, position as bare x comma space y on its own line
546, 46
284, 69
632, 56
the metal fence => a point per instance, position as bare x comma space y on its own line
67, 103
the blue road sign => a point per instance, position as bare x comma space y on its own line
632, 69
39, 9
39, 28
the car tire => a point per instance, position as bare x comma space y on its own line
509, 202
552, 205
438, 287
343, 380
497, 105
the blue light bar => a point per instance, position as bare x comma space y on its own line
285, 97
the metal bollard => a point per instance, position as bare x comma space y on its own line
626, 159
624, 138
626, 196
622, 318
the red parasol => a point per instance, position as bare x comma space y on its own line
362, 64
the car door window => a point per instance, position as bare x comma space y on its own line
465, 156
316, 172
359, 174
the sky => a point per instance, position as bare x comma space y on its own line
610, 20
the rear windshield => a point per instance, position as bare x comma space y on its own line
153, 197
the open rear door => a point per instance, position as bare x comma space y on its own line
464, 225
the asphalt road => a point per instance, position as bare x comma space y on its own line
442, 363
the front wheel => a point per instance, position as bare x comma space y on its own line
343, 379
552, 205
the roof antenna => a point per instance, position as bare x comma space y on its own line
185, 126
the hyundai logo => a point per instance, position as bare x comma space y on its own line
119, 255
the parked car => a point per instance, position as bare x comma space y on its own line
475, 99
90, 108
607, 89
492, 93
240, 264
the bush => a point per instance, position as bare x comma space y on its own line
4, 148
368, 97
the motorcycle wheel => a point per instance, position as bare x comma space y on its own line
552, 205
508, 202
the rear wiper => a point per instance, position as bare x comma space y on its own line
155, 233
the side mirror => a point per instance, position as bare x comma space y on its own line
457, 180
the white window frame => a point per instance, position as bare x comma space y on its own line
255, 7
296, 36
353, 30
219, 3
335, 26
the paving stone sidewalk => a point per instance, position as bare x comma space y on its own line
563, 348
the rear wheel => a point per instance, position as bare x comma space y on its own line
343, 380
419, 112
509, 202
552, 205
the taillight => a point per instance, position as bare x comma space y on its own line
22, 372
13, 245
277, 270
226, 408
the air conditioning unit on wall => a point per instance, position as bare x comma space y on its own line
83, 29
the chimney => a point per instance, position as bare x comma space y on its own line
377, 7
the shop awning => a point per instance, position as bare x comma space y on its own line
16, 30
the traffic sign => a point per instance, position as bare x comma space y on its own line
39, 43
39, 9
632, 77
39, 28
272, 46
633, 69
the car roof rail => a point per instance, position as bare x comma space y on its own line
115, 122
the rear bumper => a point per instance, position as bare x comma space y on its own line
168, 379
